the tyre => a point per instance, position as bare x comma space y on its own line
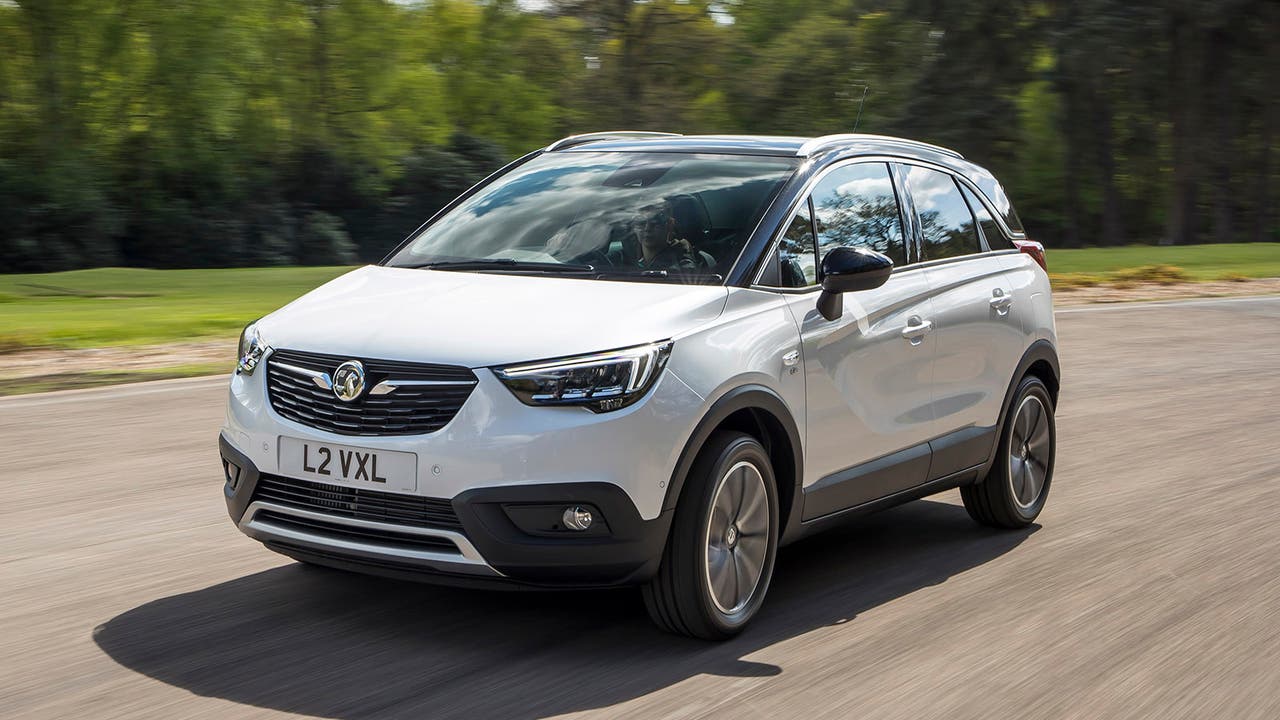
719, 558
1014, 490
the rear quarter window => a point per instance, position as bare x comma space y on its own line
994, 191
996, 239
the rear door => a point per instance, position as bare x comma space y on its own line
979, 337
1020, 269
868, 417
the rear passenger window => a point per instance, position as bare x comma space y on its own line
946, 225
855, 206
990, 229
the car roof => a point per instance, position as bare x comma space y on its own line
777, 145
819, 152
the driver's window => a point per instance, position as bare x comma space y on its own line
797, 255
856, 206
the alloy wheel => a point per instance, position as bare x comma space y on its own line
737, 539
1030, 451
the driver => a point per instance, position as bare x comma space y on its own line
660, 247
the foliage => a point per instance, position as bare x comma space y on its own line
180, 133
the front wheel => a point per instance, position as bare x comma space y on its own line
1014, 490
719, 559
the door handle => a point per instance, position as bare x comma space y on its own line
916, 329
1000, 301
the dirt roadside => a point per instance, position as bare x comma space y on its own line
39, 370
1151, 291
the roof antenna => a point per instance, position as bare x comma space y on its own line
861, 101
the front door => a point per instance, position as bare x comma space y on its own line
867, 373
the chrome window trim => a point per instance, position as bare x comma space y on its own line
902, 270
961, 258
896, 271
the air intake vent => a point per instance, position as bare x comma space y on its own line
386, 538
357, 503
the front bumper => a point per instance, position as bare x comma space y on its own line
492, 540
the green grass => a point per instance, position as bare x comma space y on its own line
128, 306
1199, 262
124, 306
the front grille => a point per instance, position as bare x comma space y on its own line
387, 538
357, 503
425, 399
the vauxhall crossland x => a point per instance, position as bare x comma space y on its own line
649, 359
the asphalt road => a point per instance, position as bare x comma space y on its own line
1149, 588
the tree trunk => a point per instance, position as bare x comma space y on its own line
1183, 93
1071, 171
43, 26
1218, 84
1101, 121
1264, 207
320, 107
1067, 84
1267, 216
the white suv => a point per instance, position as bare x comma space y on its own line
649, 359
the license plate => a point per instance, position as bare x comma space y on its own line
347, 465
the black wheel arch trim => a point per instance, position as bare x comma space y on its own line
1039, 351
746, 397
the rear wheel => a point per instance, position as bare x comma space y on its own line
719, 559
1014, 491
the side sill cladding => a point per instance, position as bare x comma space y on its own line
757, 398
959, 458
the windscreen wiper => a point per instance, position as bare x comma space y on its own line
506, 264
692, 278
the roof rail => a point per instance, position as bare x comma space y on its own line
574, 140
818, 143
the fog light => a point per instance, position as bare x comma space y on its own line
577, 518
232, 473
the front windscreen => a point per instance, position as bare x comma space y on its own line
678, 217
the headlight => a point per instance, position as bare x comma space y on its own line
252, 348
601, 382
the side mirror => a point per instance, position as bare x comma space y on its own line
849, 269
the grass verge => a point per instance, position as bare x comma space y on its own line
130, 306
1196, 262
97, 378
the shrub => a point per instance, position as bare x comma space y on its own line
1159, 274
1073, 281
